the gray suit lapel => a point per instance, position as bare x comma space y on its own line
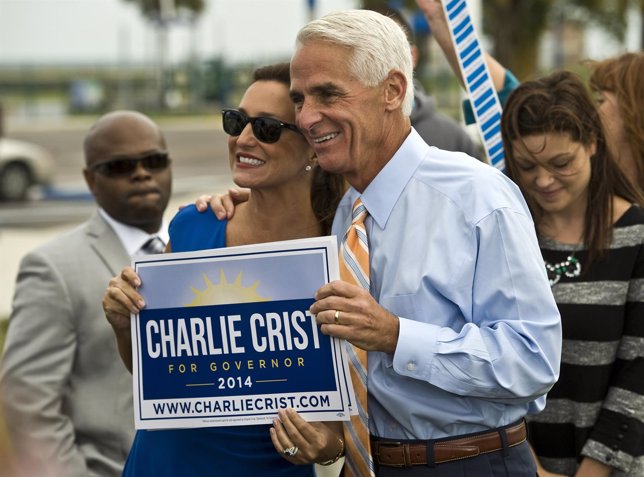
106, 244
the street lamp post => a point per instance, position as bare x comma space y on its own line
311, 6
167, 13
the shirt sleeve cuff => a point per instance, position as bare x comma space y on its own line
610, 456
614, 440
415, 349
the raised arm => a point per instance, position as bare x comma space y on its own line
433, 11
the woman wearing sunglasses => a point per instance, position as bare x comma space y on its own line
269, 156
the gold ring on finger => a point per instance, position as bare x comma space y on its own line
337, 317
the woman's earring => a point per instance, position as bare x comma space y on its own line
308, 168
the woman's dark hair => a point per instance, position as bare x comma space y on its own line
326, 188
559, 103
326, 191
280, 72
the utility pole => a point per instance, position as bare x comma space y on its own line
311, 7
167, 14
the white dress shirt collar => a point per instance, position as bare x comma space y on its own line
131, 237
382, 193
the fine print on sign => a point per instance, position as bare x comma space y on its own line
226, 337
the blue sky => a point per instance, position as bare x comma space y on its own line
79, 31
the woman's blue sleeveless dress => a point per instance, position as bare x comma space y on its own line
239, 451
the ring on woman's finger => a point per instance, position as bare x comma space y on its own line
337, 317
290, 451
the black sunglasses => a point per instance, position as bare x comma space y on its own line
267, 130
125, 166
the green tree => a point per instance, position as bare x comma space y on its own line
516, 26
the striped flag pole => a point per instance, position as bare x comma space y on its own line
477, 79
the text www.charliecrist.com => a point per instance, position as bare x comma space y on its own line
226, 406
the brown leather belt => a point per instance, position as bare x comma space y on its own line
403, 454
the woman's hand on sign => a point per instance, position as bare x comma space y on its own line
303, 442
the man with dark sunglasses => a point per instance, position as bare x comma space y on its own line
67, 396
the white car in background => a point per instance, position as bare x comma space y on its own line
23, 165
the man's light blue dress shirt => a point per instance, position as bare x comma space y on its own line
453, 253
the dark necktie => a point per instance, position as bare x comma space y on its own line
152, 246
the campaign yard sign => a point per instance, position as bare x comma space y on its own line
226, 337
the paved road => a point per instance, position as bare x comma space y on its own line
197, 145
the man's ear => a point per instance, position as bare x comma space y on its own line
395, 90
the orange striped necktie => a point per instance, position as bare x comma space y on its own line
354, 268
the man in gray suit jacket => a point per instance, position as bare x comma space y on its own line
67, 396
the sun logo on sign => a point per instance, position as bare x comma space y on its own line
225, 293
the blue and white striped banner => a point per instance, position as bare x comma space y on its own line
477, 79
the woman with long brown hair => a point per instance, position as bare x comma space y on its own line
591, 235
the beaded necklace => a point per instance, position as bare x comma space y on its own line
571, 267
